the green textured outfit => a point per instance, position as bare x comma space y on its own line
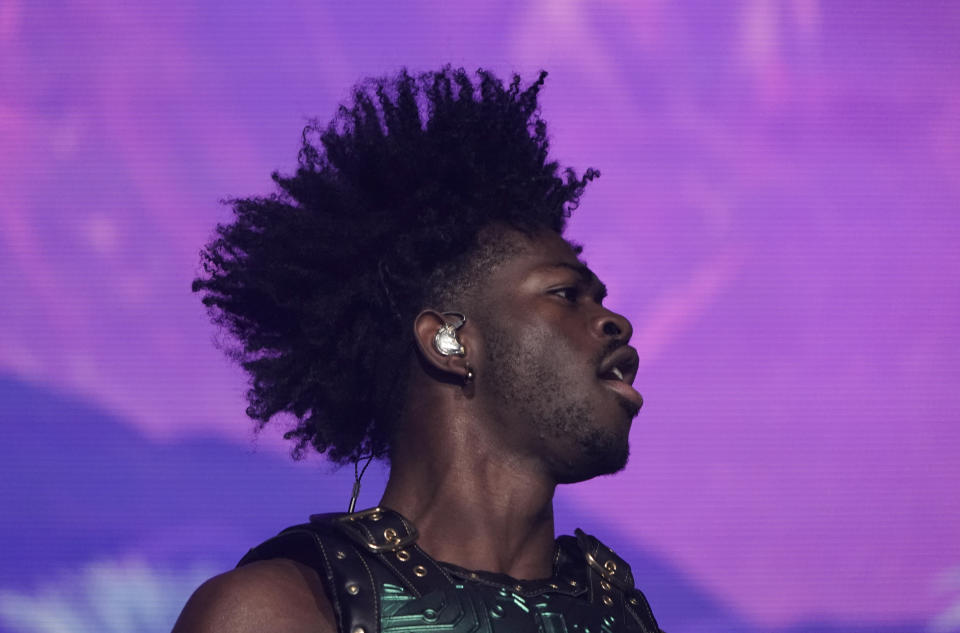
379, 581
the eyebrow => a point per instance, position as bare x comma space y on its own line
588, 276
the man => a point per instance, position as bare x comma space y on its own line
408, 295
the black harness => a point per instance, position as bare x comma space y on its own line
379, 581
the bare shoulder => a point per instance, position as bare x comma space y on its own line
279, 595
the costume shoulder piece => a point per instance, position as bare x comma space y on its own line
356, 555
379, 581
613, 571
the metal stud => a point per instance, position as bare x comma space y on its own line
607, 600
554, 585
353, 589
358, 629
518, 587
376, 516
573, 583
420, 571
634, 601
341, 554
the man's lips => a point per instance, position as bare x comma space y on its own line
625, 390
621, 365
619, 370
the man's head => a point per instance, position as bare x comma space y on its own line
551, 369
402, 203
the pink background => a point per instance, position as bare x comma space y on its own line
778, 215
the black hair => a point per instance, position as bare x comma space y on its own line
318, 282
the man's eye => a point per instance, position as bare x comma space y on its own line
569, 293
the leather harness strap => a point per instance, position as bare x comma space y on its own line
392, 539
343, 547
349, 584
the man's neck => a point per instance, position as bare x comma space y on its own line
474, 509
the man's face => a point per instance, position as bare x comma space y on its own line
552, 361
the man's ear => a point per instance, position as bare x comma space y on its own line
425, 328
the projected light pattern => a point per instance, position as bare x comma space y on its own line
114, 597
778, 215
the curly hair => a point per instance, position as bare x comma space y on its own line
317, 283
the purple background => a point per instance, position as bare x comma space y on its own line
778, 215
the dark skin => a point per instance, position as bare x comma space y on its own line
474, 466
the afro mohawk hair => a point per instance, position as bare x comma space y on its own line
317, 282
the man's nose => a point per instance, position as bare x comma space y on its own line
613, 325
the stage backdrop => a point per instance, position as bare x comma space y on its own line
778, 215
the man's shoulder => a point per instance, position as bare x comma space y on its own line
276, 595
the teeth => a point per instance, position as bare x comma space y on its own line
616, 372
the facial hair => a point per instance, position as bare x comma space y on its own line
539, 388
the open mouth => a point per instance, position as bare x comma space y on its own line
614, 374
618, 372
621, 365
627, 392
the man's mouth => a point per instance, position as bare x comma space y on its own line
618, 372
614, 374
620, 365
626, 391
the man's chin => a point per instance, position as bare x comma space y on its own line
601, 456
